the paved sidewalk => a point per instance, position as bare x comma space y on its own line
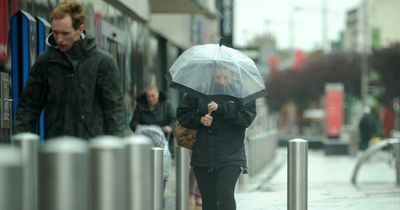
329, 185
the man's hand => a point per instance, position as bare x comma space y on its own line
212, 106
167, 129
206, 120
137, 126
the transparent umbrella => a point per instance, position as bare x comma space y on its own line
215, 71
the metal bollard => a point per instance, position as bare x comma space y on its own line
182, 178
396, 153
63, 174
297, 174
108, 174
158, 180
10, 178
28, 144
139, 172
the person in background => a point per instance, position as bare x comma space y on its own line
367, 127
218, 155
153, 109
194, 192
77, 84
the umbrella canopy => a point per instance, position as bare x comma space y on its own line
216, 71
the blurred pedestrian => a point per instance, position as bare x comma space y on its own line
77, 84
218, 155
194, 191
153, 109
367, 127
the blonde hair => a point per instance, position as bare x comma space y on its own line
73, 8
152, 87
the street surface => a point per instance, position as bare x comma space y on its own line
329, 185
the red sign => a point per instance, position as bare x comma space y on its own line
3, 30
272, 61
299, 60
334, 109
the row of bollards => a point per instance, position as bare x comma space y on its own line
108, 173
105, 173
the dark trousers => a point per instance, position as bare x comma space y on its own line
217, 186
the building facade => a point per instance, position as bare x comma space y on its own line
373, 24
144, 36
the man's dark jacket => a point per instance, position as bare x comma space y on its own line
221, 144
80, 92
162, 115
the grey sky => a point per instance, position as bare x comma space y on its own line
254, 17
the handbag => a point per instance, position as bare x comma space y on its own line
185, 137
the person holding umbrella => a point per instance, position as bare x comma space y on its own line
219, 153
221, 85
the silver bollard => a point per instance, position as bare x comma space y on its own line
28, 144
297, 174
63, 174
182, 178
396, 153
108, 173
10, 178
139, 172
158, 180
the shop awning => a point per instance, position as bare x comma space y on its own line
183, 6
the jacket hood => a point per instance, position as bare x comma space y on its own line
84, 44
141, 99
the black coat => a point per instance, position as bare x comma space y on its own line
162, 115
367, 127
223, 143
80, 92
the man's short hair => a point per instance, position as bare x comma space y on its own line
73, 8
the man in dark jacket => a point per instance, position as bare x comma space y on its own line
76, 84
219, 153
367, 127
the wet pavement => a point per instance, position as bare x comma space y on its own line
329, 185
